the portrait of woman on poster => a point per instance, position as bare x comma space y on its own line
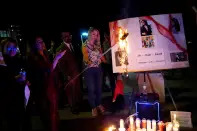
145, 28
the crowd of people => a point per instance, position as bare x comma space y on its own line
50, 75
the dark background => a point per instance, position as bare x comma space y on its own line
49, 18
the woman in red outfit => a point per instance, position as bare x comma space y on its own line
42, 79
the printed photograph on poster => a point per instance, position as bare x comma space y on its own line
121, 58
175, 25
178, 56
148, 41
145, 27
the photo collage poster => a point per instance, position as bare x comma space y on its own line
153, 43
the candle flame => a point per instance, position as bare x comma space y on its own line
175, 117
121, 123
111, 128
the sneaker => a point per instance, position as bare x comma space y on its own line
94, 112
101, 109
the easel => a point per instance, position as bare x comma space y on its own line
132, 95
144, 86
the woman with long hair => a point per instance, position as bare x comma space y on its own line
43, 89
93, 76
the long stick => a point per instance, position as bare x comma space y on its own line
88, 67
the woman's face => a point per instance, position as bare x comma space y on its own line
94, 36
11, 49
39, 44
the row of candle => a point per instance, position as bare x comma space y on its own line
148, 125
145, 125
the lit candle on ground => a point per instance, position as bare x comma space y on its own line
111, 128
161, 126
138, 129
131, 123
154, 127
169, 126
144, 123
148, 124
138, 122
176, 126
121, 125
174, 117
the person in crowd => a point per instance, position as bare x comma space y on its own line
42, 79
7, 84
51, 51
108, 65
15, 92
12, 57
4, 82
69, 67
92, 57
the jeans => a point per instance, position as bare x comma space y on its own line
93, 78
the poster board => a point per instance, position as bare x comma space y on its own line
154, 42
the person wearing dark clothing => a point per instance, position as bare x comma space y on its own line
42, 79
108, 72
11, 111
69, 67
6, 82
15, 92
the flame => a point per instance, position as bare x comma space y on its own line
111, 128
122, 42
123, 46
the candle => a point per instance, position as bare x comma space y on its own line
169, 126
131, 120
121, 125
137, 121
174, 117
131, 123
144, 123
160, 125
174, 120
111, 128
148, 124
138, 129
154, 127
175, 126
143, 129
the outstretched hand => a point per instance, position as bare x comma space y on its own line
60, 54
57, 57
